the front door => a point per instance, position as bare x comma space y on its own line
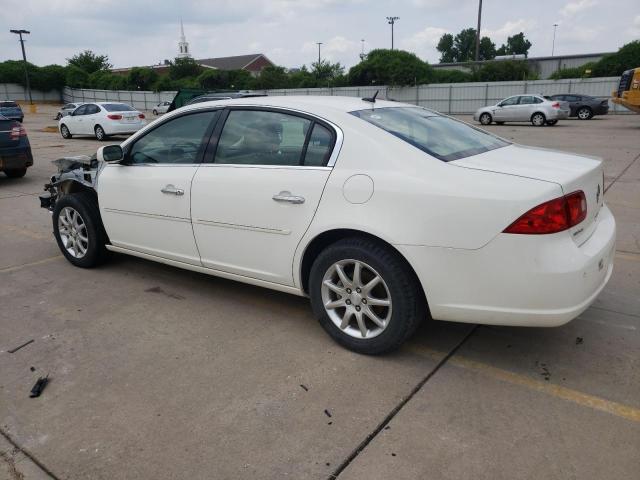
506, 110
254, 199
145, 201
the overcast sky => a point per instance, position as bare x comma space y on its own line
143, 32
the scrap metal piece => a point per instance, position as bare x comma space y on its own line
39, 387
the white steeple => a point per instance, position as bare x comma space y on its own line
183, 45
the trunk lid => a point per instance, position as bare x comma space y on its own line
572, 172
6, 129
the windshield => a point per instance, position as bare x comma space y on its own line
8, 105
117, 107
445, 138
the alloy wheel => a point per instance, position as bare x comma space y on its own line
73, 232
584, 114
99, 133
356, 299
538, 119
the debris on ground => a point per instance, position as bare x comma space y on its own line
327, 413
14, 350
304, 387
579, 340
39, 386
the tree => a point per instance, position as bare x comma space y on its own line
76, 77
516, 45
462, 47
90, 62
327, 73
142, 78
504, 70
390, 67
302, 78
628, 56
272, 77
184, 67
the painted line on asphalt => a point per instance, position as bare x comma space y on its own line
13, 268
634, 257
618, 409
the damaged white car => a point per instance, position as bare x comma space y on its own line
384, 214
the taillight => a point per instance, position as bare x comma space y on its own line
556, 105
17, 132
141, 116
114, 117
553, 216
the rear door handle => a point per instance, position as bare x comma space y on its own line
286, 196
171, 190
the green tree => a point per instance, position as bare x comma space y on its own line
487, 49
462, 47
628, 56
327, 73
272, 77
76, 77
302, 78
163, 84
142, 78
445, 47
390, 67
504, 70
516, 45
184, 67
50, 77
90, 62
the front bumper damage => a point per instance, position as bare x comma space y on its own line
74, 174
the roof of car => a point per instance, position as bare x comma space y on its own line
304, 102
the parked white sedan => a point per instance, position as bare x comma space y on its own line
384, 214
537, 109
102, 119
161, 108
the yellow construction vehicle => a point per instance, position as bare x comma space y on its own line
628, 92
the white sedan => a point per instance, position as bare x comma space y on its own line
161, 108
102, 119
384, 214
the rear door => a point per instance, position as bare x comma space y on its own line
7, 138
256, 195
526, 108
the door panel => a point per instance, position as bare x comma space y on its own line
240, 228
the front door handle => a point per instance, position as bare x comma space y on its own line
171, 190
285, 196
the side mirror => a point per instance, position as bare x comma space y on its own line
110, 153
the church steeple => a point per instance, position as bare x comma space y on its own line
183, 45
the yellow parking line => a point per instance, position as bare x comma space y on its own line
24, 265
597, 403
635, 257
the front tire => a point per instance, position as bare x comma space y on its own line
538, 119
78, 229
155, 112
485, 119
365, 296
64, 131
100, 133
585, 113
16, 172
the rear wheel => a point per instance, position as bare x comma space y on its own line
538, 119
16, 172
499, 123
552, 122
585, 113
365, 296
64, 131
485, 119
100, 134
78, 229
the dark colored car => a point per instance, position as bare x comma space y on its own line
11, 110
209, 97
584, 106
15, 150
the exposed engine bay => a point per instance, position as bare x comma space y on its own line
74, 174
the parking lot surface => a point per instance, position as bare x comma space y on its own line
168, 374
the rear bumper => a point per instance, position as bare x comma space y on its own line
557, 114
15, 157
601, 110
521, 280
122, 128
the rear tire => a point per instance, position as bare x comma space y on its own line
499, 123
387, 326
538, 119
16, 172
551, 123
78, 229
485, 119
100, 133
64, 131
584, 113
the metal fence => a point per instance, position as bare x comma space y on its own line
13, 91
454, 98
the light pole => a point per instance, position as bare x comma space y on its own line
362, 55
553, 45
318, 43
392, 21
478, 32
24, 57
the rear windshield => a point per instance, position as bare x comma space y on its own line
9, 104
445, 138
117, 107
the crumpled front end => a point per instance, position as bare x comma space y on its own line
74, 174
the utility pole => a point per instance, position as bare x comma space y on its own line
24, 58
318, 43
553, 45
478, 31
392, 21
362, 55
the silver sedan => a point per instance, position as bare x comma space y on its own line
537, 109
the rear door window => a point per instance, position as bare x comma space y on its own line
527, 100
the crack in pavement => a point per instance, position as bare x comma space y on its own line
617, 177
17, 448
387, 419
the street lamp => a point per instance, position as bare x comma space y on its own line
392, 21
318, 43
362, 55
478, 32
553, 45
24, 57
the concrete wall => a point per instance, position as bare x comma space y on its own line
443, 97
13, 91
